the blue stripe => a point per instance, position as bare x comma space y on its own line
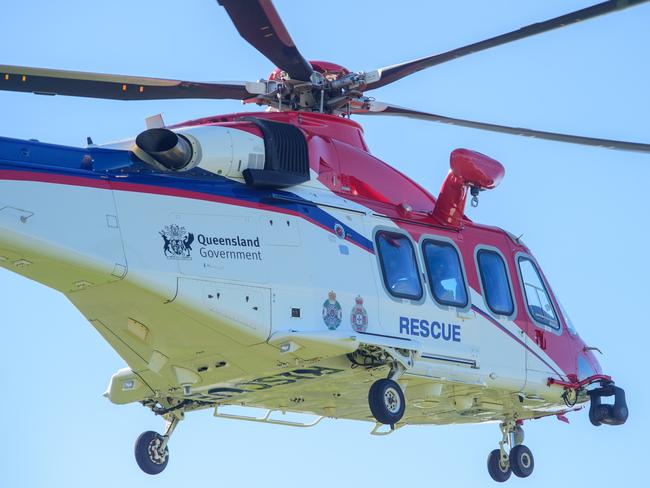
121, 166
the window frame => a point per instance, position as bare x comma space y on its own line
445, 242
380, 260
547, 289
566, 319
511, 288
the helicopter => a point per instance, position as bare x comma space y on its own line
209, 250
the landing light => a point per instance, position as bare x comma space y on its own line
289, 346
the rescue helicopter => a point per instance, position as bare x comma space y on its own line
195, 261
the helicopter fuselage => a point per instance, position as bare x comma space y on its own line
215, 291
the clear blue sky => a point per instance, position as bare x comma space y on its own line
583, 212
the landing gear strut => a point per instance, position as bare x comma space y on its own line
519, 460
151, 451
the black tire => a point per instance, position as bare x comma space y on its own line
522, 462
497, 471
386, 401
147, 455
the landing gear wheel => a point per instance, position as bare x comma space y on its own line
497, 470
521, 461
386, 401
148, 454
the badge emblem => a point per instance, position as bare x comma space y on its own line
339, 231
359, 316
177, 242
332, 313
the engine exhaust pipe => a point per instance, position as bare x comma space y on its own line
171, 150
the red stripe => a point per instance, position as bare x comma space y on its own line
523, 343
154, 190
174, 192
7, 174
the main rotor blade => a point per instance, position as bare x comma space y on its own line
389, 74
115, 87
380, 108
259, 23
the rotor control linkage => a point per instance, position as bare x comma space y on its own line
600, 413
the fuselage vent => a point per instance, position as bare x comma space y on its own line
287, 156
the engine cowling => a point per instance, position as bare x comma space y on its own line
220, 150
278, 158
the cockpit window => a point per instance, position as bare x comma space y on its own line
495, 282
445, 274
567, 319
398, 265
537, 298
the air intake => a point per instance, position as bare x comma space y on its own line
287, 156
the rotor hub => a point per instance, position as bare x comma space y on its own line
329, 71
331, 88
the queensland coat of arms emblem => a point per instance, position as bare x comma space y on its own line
359, 316
332, 313
177, 242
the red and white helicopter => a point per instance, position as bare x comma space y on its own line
196, 261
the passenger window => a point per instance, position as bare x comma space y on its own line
445, 274
539, 303
495, 282
400, 271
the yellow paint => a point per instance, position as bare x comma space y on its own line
24, 78
138, 329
